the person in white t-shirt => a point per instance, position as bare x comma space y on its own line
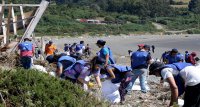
182, 77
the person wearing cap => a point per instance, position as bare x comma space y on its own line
182, 77
191, 58
139, 63
78, 72
172, 57
105, 53
140, 47
26, 53
50, 49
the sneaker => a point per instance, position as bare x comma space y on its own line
128, 93
122, 102
144, 91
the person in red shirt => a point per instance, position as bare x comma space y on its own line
191, 58
26, 53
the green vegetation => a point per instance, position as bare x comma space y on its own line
124, 16
31, 88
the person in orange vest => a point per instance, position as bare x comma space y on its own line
50, 49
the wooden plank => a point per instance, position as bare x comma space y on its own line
4, 32
38, 15
14, 20
8, 24
1, 13
14, 5
23, 17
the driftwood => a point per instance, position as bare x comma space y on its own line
8, 47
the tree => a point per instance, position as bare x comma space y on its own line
194, 6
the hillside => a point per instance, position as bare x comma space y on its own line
118, 16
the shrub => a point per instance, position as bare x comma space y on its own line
31, 88
194, 31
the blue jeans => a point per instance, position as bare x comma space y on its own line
26, 62
141, 73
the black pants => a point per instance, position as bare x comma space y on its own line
192, 96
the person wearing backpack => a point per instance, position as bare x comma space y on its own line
182, 77
186, 56
140, 60
80, 70
63, 62
26, 53
120, 74
105, 53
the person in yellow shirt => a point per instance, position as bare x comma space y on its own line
50, 49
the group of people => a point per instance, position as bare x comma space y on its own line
182, 76
173, 56
77, 50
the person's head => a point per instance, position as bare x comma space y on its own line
193, 54
81, 42
97, 63
147, 47
180, 58
174, 52
27, 39
74, 44
66, 44
155, 68
141, 46
50, 42
100, 43
186, 52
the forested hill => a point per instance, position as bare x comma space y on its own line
126, 16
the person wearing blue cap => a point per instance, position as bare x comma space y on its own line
105, 53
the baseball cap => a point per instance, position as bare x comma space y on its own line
141, 45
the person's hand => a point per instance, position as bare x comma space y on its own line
105, 65
90, 85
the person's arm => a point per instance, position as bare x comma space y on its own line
59, 69
149, 59
81, 80
45, 51
97, 78
107, 59
110, 71
174, 91
33, 49
83, 74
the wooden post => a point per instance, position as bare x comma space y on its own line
4, 31
22, 16
8, 24
1, 16
14, 22
2, 28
